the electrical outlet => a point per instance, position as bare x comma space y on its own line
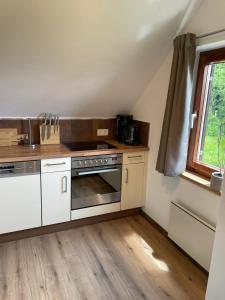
102, 132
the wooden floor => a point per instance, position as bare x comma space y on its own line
120, 259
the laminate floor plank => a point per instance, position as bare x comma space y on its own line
125, 259
116, 269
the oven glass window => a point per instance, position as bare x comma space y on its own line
96, 187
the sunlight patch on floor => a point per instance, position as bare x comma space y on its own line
159, 263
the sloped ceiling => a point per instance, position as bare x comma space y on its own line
83, 58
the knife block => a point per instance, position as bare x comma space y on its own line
54, 137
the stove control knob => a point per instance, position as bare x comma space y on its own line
105, 161
96, 161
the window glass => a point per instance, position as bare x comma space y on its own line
211, 145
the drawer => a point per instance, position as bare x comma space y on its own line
56, 165
133, 158
94, 211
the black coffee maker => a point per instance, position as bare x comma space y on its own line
127, 131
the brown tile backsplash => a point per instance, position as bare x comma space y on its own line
74, 130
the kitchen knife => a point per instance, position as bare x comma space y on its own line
57, 126
49, 126
55, 120
43, 128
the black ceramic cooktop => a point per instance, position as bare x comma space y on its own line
96, 145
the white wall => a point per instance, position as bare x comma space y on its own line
216, 286
81, 58
150, 108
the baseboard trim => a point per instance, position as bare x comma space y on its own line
12, 236
165, 233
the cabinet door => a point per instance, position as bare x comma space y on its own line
20, 203
132, 186
56, 199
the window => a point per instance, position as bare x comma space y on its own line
207, 140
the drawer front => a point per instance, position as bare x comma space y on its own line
136, 157
94, 211
55, 165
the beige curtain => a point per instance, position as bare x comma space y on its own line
173, 147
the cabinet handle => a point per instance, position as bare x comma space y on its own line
135, 156
64, 184
127, 175
56, 164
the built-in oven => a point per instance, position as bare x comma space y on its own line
96, 180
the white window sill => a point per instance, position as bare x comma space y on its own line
198, 180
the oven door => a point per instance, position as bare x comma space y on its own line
95, 186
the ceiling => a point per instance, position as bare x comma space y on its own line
81, 58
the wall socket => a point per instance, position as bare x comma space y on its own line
102, 132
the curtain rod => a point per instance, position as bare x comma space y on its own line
210, 33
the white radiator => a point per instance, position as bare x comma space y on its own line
194, 235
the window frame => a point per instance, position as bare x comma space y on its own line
205, 58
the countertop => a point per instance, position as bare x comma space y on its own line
25, 153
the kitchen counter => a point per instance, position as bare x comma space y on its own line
25, 153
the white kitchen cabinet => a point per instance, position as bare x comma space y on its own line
20, 198
133, 181
56, 190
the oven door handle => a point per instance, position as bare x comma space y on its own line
96, 171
